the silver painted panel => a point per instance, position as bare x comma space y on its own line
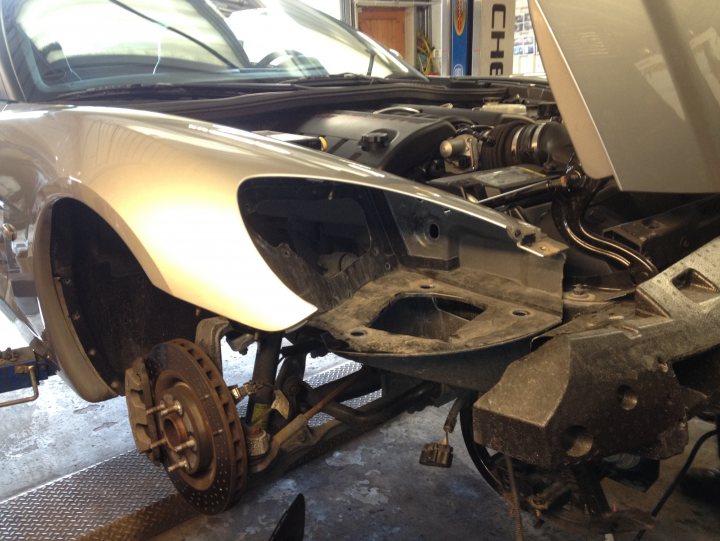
638, 84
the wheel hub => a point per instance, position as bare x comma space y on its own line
199, 432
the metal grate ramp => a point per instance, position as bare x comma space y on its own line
125, 497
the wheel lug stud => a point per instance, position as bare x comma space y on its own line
155, 409
175, 408
180, 464
158, 443
189, 444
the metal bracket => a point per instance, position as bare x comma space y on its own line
17, 356
208, 334
281, 404
30, 370
26, 360
239, 392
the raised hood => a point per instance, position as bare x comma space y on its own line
638, 84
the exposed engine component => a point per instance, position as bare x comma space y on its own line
499, 187
493, 156
427, 142
461, 153
395, 142
568, 209
517, 142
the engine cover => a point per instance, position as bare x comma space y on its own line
392, 142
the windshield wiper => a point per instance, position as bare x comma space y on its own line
371, 64
172, 91
196, 41
220, 89
337, 78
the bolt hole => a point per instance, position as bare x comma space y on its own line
520, 313
358, 332
577, 441
433, 231
426, 286
627, 397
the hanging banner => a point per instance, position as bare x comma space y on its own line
461, 42
493, 32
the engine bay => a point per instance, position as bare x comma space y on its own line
509, 153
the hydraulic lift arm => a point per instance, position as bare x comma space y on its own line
22, 368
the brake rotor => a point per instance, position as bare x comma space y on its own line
203, 444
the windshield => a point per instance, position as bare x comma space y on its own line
288, 34
61, 46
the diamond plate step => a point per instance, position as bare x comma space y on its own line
125, 497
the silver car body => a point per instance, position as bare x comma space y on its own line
571, 319
168, 186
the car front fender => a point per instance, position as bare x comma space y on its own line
169, 187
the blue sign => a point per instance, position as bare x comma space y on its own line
461, 44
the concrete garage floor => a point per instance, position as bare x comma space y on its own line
371, 488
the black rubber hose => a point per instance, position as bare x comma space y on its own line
498, 153
679, 477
